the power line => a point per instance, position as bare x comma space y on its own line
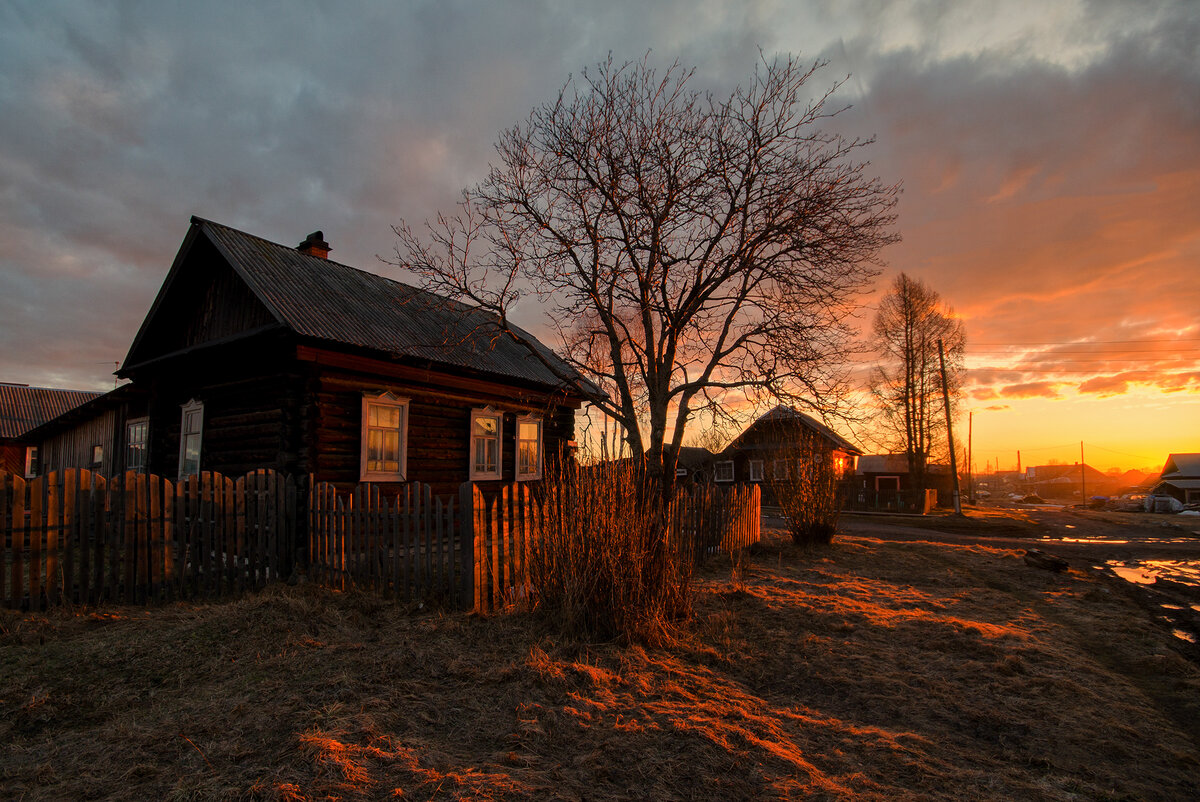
1088, 342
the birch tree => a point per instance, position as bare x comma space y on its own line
907, 382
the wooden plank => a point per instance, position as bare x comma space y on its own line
37, 535
204, 544
68, 516
15, 535
99, 532
6, 534
169, 533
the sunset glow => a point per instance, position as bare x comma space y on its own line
1049, 154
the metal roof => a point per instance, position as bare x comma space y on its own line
23, 408
319, 298
1181, 466
786, 414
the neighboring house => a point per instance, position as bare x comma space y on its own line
888, 473
24, 408
1180, 478
1066, 481
771, 446
258, 355
694, 463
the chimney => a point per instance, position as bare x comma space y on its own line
315, 245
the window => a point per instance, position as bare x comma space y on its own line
384, 446
781, 469
97, 456
756, 470
529, 448
486, 425
31, 461
723, 471
136, 432
191, 433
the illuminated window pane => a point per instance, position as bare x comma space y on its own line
383, 439
485, 444
529, 449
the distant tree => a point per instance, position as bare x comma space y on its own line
907, 382
684, 246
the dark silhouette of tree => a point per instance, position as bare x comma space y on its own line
685, 247
907, 382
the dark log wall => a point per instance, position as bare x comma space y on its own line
438, 428
254, 402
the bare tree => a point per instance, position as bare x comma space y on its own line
907, 383
685, 247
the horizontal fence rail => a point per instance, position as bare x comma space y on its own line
75, 537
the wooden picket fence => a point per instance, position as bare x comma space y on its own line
74, 537
407, 547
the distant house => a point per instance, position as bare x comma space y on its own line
770, 447
694, 463
24, 408
258, 355
1180, 478
879, 475
1067, 481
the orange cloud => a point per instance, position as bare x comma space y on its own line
1031, 390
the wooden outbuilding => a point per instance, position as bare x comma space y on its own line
23, 409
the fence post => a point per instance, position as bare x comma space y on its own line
466, 543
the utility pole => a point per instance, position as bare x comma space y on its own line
950, 428
970, 461
1082, 477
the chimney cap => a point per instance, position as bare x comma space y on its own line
315, 244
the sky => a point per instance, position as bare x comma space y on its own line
1049, 153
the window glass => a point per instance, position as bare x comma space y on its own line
384, 433
191, 432
724, 471
756, 470
529, 449
136, 433
485, 444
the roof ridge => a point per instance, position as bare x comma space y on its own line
324, 260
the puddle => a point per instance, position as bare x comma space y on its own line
1146, 572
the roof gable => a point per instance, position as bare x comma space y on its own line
782, 417
1182, 466
319, 299
24, 408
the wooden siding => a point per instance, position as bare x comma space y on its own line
72, 448
207, 302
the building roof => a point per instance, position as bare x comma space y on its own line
1050, 473
23, 408
782, 414
894, 463
1182, 466
320, 299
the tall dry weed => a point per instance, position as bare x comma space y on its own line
607, 567
806, 490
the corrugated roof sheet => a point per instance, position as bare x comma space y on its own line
1182, 466
24, 408
326, 300
783, 413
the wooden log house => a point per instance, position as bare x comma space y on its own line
258, 355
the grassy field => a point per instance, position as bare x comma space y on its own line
866, 670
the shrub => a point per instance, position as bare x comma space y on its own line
606, 567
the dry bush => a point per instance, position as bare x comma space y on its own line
606, 567
807, 493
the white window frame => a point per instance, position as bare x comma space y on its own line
388, 401
541, 436
756, 470
97, 455
186, 409
32, 466
719, 471
144, 442
478, 475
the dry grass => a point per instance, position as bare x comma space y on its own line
862, 670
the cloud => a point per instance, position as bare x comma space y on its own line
1030, 390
